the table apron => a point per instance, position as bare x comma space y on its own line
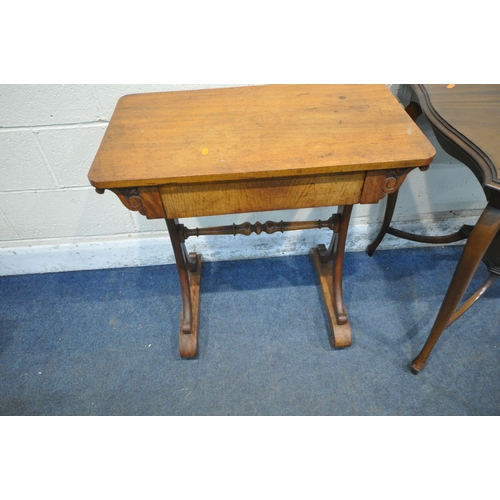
243, 196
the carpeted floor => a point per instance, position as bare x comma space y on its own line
106, 342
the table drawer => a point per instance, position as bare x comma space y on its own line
218, 198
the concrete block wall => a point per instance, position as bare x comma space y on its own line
51, 219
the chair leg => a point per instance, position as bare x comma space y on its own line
480, 239
414, 110
389, 212
473, 298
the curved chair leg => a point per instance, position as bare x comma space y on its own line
480, 239
414, 111
389, 212
473, 298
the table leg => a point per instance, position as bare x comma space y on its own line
189, 268
479, 240
389, 212
330, 278
414, 110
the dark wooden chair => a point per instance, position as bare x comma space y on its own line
466, 122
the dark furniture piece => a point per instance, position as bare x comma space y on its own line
466, 122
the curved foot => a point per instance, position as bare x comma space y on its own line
188, 345
418, 364
188, 342
416, 368
370, 249
340, 334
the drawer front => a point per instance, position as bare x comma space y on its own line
218, 198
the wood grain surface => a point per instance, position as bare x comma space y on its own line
256, 132
466, 121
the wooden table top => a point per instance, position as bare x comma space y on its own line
468, 116
256, 132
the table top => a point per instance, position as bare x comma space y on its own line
469, 117
256, 132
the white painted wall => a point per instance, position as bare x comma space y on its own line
51, 219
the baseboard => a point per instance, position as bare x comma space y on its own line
154, 249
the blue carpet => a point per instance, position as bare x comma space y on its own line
106, 342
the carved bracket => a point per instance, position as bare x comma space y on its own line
145, 200
394, 179
378, 184
131, 198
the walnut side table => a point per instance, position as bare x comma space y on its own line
235, 150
